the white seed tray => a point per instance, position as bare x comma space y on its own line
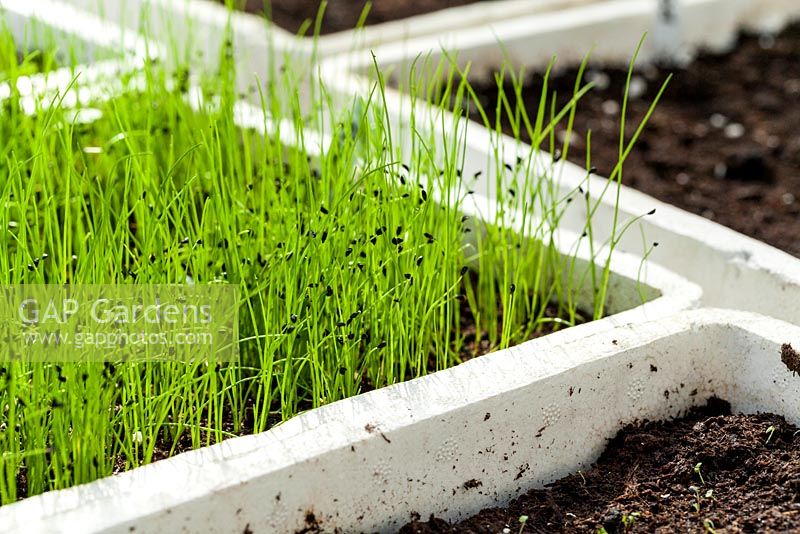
368, 463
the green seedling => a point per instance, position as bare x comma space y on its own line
770, 431
628, 520
699, 494
523, 520
698, 472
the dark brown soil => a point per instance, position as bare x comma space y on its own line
723, 143
790, 358
341, 15
475, 345
709, 470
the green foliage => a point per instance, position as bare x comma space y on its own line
356, 264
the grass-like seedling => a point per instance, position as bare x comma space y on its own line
356, 266
15, 61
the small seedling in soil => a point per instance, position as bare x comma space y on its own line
700, 496
770, 431
628, 520
698, 472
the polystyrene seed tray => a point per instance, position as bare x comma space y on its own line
53, 511
540, 410
369, 462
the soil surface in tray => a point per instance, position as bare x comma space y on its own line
709, 470
341, 15
723, 143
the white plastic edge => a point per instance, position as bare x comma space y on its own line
609, 29
488, 19
433, 23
